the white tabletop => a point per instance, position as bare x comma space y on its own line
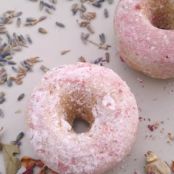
154, 97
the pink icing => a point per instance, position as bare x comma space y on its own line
111, 135
141, 45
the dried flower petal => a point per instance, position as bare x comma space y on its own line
154, 165
11, 162
172, 167
30, 164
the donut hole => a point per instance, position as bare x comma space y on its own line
160, 13
78, 111
80, 125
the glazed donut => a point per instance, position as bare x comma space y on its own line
94, 94
145, 36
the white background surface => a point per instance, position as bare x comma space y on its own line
154, 97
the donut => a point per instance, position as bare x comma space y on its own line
98, 96
145, 36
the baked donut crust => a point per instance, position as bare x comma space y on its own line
90, 92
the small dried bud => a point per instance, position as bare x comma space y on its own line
150, 157
154, 165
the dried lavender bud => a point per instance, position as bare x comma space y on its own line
1, 113
90, 29
107, 57
44, 68
84, 37
3, 76
9, 82
45, 4
19, 138
97, 4
110, 1
106, 13
42, 18
61, 25
53, 1
18, 22
48, 11
20, 97
14, 69
75, 8
29, 39
11, 63
102, 38
42, 30
65, 52
18, 14
2, 94
2, 100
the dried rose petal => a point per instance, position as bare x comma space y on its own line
172, 166
27, 162
30, 164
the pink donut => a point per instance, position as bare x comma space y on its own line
96, 95
145, 34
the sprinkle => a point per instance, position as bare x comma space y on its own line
42, 30
61, 25
65, 52
20, 97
